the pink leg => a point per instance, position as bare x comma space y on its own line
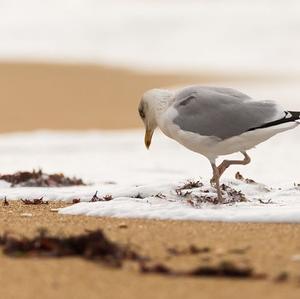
226, 163
217, 181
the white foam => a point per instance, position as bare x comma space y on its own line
101, 158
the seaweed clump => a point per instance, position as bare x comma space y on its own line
93, 245
40, 179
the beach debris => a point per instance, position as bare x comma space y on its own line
157, 269
265, 202
192, 249
40, 179
188, 186
92, 245
107, 197
123, 225
223, 269
5, 202
138, 196
205, 196
239, 177
96, 198
191, 185
259, 186
76, 200
35, 201
234, 195
196, 198
182, 193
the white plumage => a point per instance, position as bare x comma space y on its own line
214, 121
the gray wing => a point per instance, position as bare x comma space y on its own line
187, 91
221, 112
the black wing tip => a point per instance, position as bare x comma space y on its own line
295, 114
290, 116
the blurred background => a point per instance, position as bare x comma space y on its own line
83, 64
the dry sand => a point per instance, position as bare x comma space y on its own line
268, 248
80, 97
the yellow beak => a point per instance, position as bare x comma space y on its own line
148, 137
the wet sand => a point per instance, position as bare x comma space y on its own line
270, 249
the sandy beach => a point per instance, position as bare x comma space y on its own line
271, 249
86, 211
91, 97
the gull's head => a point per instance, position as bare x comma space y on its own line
152, 104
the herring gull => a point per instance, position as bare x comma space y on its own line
214, 121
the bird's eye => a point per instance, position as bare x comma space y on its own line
142, 114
